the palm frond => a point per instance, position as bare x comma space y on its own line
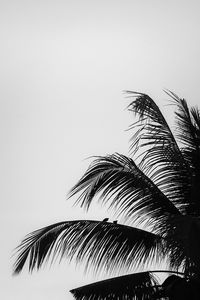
160, 156
138, 286
188, 123
101, 245
117, 180
188, 134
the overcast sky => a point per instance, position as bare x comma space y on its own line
64, 66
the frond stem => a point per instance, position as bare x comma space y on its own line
167, 271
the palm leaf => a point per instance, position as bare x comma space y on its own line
160, 156
103, 245
188, 123
118, 181
188, 134
134, 286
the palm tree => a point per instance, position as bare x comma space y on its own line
158, 192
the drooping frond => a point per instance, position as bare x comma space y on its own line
160, 156
188, 134
138, 286
117, 180
101, 245
37, 247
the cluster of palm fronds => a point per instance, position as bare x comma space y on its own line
160, 188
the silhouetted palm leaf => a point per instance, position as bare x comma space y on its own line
188, 133
118, 180
135, 286
161, 158
103, 245
188, 123
161, 188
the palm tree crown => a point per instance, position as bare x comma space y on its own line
159, 187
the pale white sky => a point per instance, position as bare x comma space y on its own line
64, 65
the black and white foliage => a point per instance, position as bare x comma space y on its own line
159, 185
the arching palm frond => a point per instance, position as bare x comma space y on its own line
118, 181
161, 188
102, 245
160, 156
188, 133
134, 286
188, 123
